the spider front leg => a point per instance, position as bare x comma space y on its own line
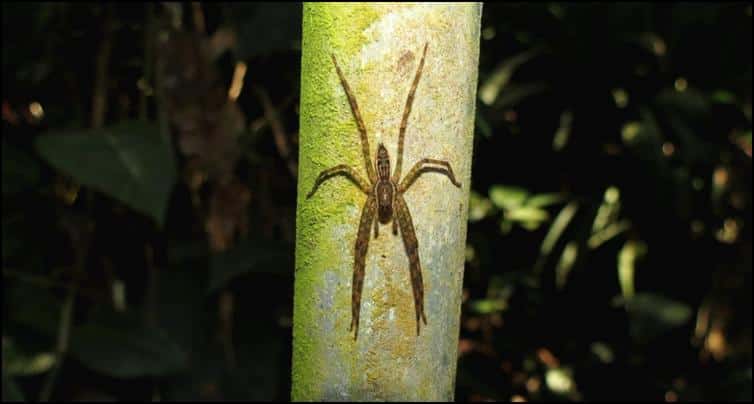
344, 170
423, 166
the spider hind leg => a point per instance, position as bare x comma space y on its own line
403, 216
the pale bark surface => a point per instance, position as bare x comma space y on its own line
378, 47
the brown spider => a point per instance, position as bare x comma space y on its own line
385, 198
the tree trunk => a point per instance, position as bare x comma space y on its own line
378, 48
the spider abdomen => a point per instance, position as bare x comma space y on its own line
385, 193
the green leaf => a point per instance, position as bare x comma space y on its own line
631, 251
507, 197
560, 139
249, 256
653, 315
565, 265
17, 362
723, 97
487, 306
542, 200
527, 214
20, 170
502, 74
130, 162
119, 346
556, 229
479, 207
516, 93
265, 27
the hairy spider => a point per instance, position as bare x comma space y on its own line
385, 200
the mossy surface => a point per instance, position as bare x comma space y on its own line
378, 47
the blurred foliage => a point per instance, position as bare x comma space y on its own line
148, 167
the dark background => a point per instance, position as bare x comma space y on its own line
149, 217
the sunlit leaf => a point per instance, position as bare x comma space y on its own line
631, 251
603, 352
16, 362
557, 228
507, 197
500, 76
479, 207
129, 162
567, 259
607, 233
487, 306
558, 225
527, 214
560, 139
629, 131
515, 93
542, 200
559, 380
608, 209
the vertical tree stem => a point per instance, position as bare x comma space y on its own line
99, 98
378, 47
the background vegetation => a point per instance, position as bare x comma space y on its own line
148, 188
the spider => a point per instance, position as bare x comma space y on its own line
385, 200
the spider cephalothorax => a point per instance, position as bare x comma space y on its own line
384, 189
385, 200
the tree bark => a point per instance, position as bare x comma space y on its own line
379, 47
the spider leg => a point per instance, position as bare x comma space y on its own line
423, 166
412, 250
344, 170
376, 229
360, 254
406, 113
395, 227
359, 122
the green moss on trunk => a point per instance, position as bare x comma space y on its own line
378, 46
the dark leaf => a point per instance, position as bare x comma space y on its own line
129, 162
249, 256
118, 345
266, 27
653, 315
